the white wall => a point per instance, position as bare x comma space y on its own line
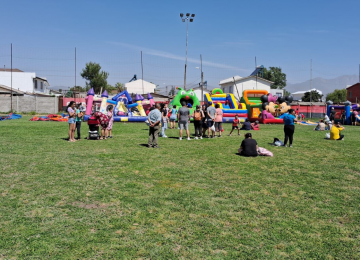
20, 80
137, 87
198, 93
277, 92
242, 85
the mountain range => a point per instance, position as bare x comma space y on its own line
324, 85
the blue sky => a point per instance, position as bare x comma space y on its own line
228, 35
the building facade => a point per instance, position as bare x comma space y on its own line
24, 81
353, 93
252, 82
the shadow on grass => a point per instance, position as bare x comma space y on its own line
145, 145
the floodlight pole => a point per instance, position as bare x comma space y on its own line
202, 81
191, 17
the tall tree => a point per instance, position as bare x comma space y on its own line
96, 79
315, 96
275, 75
119, 87
339, 95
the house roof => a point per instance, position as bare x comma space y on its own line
9, 70
7, 90
43, 79
239, 79
352, 85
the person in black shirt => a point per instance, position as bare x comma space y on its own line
248, 146
332, 114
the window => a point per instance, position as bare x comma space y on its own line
224, 89
350, 94
279, 94
41, 85
35, 84
231, 89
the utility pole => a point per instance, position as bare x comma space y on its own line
142, 74
256, 71
11, 80
310, 85
202, 80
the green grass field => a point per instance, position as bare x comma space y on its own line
116, 199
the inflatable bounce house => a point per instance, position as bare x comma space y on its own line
256, 105
264, 107
339, 109
125, 108
228, 104
188, 96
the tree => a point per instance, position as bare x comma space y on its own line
275, 75
119, 87
315, 96
96, 79
172, 91
338, 96
78, 89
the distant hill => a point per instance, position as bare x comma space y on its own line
324, 85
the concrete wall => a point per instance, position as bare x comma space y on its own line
46, 105
20, 80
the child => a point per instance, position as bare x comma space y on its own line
255, 126
235, 125
173, 117
111, 120
78, 119
164, 119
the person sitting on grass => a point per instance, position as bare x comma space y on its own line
248, 146
320, 126
335, 132
255, 126
235, 125
246, 126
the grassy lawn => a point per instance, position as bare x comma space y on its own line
195, 199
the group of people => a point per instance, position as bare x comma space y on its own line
205, 118
328, 124
76, 115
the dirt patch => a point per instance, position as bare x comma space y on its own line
94, 205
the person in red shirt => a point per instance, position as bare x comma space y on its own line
235, 125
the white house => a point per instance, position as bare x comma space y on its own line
197, 91
241, 84
299, 94
24, 81
140, 87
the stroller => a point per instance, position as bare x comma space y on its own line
93, 124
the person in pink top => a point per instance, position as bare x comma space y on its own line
110, 115
218, 119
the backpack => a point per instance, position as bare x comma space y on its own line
197, 116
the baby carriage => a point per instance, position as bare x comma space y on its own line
93, 124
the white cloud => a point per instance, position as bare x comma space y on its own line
176, 57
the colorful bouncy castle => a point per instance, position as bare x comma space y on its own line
228, 104
348, 108
187, 96
125, 108
264, 107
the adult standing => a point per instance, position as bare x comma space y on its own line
210, 111
184, 120
204, 120
218, 119
154, 119
289, 126
72, 124
332, 114
198, 115
104, 123
354, 115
